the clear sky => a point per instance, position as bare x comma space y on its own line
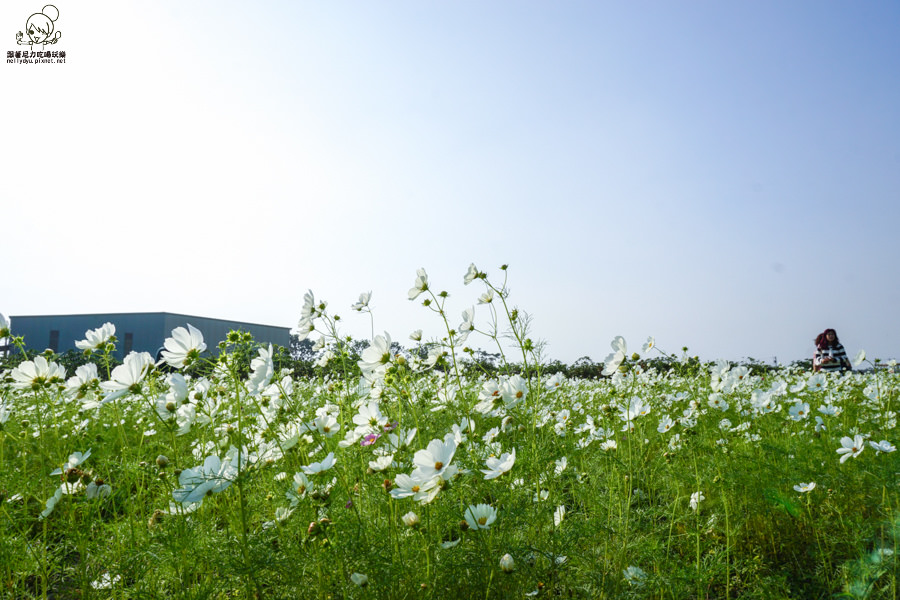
720, 175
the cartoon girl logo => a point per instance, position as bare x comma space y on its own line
39, 28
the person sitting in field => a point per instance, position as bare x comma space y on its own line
830, 354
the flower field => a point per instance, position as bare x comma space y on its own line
410, 474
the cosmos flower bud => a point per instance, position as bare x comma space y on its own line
162, 461
154, 520
410, 519
507, 564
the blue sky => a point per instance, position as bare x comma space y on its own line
722, 176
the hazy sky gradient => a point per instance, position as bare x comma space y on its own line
722, 176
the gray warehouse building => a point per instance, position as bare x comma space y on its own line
139, 332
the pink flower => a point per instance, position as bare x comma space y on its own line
369, 439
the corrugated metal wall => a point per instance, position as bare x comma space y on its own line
140, 332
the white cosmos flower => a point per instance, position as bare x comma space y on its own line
498, 466
93, 490
558, 515
75, 459
166, 408
350, 438
304, 487
317, 467
435, 459
716, 401
480, 516
376, 358
487, 297
805, 487
514, 390
369, 418
460, 430
799, 411
650, 343
37, 373
51, 504
127, 377
816, 382
309, 306
4, 326
105, 581
859, 358
471, 274
420, 490
882, 446
282, 514
84, 385
468, 323
212, 477
829, 410
262, 370
400, 440
696, 499
410, 519
636, 408
665, 424
851, 447
435, 353
327, 425
184, 347
561, 465
634, 576
555, 381
620, 350
304, 328
382, 462
95, 339
359, 579
420, 285
364, 299
416, 335
323, 360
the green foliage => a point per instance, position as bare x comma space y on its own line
670, 479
